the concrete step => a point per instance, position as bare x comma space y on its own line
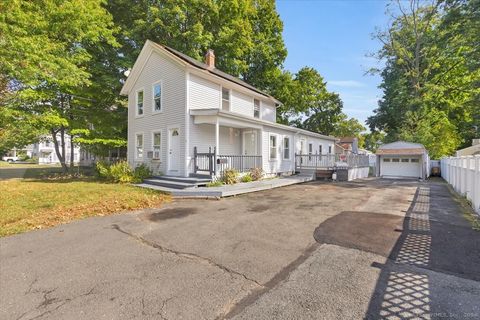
193, 180
169, 183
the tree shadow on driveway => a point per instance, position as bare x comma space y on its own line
433, 264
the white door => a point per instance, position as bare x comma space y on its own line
174, 151
250, 143
410, 167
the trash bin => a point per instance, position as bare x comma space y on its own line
342, 173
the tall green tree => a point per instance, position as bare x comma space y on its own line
431, 75
44, 47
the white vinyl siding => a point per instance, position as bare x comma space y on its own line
173, 80
203, 94
241, 103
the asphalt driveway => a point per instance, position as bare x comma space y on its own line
369, 249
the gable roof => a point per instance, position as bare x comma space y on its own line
401, 148
187, 60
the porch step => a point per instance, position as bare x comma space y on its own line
177, 182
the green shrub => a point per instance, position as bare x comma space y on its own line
247, 178
141, 172
217, 183
103, 169
121, 172
230, 176
256, 174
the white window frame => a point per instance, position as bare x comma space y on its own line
329, 149
160, 146
270, 147
310, 150
396, 160
136, 145
158, 83
136, 103
320, 148
259, 108
229, 99
387, 160
283, 147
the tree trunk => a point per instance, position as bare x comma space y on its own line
72, 153
60, 154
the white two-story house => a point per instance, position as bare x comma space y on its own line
187, 117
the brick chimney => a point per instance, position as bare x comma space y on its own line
210, 59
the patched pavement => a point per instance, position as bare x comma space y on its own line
370, 249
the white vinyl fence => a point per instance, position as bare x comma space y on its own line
463, 173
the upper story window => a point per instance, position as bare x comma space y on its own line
225, 99
139, 101
286, 148
139, 145
273, 147
256, 108
157, 97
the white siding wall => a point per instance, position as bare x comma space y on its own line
203, 94
202, 136
241, 103
173, 105
278, 165
268, 111
316, 143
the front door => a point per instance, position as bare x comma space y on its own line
250, 143
174, 151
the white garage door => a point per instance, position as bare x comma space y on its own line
401, 166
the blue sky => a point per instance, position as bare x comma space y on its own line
334, 38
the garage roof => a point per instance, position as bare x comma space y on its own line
401, 148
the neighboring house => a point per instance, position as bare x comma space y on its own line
45, 151
347, 145
403, 159
182, 110
470, 151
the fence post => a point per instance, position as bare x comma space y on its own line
194, 159
476, 185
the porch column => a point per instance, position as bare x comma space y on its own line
217, 142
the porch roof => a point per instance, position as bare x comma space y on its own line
249, 122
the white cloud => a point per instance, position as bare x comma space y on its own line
346, 83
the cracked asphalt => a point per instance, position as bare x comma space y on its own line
373, 249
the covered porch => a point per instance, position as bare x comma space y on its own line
219, 143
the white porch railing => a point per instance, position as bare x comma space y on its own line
463, 173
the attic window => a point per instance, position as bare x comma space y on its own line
256, 108
225, 99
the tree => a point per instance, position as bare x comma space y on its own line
46, 60
431, 74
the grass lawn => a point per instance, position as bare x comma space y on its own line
35, 204
4, 164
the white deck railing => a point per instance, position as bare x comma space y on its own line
463, 173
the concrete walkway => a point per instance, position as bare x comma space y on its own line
232, 190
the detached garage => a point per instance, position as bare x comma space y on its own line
402, 160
